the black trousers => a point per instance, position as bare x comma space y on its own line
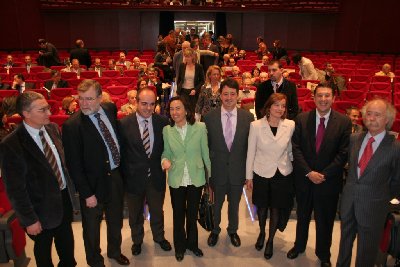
192, 99
63, 239
234, 193
185, 205
91, 220
155, 201
324, 207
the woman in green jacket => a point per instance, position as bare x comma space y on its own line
185, 155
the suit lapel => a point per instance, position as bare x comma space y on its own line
239, 127
356, 151
157, 131
282, 128
136, 133
329, 128
311, 126
219, 127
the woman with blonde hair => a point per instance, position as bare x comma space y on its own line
209, 97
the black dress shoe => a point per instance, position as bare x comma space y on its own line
292, 253
121, 259
212, 239
165, 245
197, 252
326, 263
235, 239
136, 249
269, 250
260, 241
179, 256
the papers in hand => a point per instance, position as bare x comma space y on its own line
395, 201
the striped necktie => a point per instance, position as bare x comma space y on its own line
51, 158
110, 142
146, 140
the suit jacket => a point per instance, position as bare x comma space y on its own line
264, 147
50, 57
198, 78
61, 84
86, 154
31, 184
229, 167
207, 60
101, 70
193, 151
333, 151
368, 196
27, 86
177, 60
82, 54
288, 88
134, 160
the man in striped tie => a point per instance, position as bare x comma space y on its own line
141, 148
37, 181
373, 180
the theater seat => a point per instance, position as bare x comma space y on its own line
8, 93
353, 95
89, 74
342, 106
59, 119
12, 235
303, 94
117, 91
59, 93
379, 94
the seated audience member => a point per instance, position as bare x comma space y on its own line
131, 106
122, 60
9, 62
354, 114
137, 65
235, 53
56, 81
386, 71
106, 98
225, 61
20, 84
28, 63
4, 85
307, 69
69, 105
255, 73
153, 80
247, 75
278, 52
263, 77
265, 60
81, 53
285, 74
328, 78
209, 97
262, 49
75, 67
246, 93
111, 65
97, 66
235, 71
141, 83
242, 54
9, 107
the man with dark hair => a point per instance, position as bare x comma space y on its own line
92, 153
37, 181
276, 84
81, 53
28, 63
228, 129
209, 60
56, 81
20, 84
9, 62
354, 114
320, 144
145, 180
48, 54
122, 60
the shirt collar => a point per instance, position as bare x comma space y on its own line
378, 138
224, 111
33, 131
326, 116
278, 83
101, 111
141, 119
183, 128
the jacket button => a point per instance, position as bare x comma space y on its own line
107, 161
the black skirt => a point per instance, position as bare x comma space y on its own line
275, 192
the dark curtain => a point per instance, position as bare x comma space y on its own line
166, 22
220, 24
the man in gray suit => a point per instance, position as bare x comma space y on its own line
228, 130
373, 180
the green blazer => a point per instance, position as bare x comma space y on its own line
193, 151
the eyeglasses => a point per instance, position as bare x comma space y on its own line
87, 99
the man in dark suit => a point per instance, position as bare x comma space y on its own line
28, 63
20, 84
208, 60
178, 58
354, 114
48, 54
81, 53
91, 144
37, 181
320, 144
228, 129
143, 176
97, 67
276, 84
373, 180
56, 81
9, 62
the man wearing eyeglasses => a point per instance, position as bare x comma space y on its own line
93, 157
276, 84
37, 181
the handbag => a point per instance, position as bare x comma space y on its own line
206, 206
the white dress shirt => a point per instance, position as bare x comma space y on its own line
140, 121
378, 139
34, 133
318, 117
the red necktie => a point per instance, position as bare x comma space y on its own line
366, 156
320, 134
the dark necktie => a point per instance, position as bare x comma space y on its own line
146, 140
320, 134
51, 158
228, 131
109, 140
366, 156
